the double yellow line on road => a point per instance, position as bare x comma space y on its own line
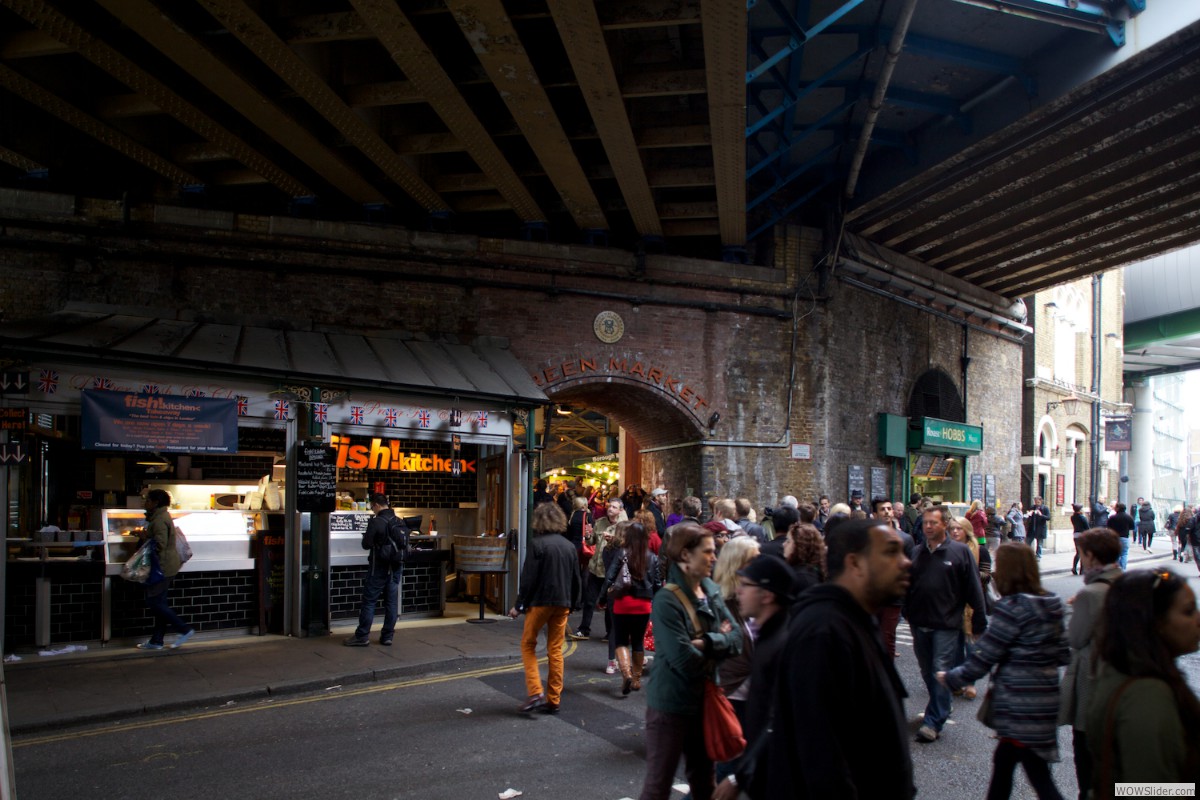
269, 705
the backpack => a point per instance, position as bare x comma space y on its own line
182, 547
395, 548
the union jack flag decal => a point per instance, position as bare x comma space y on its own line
320, 412
483, 419
150, 388
243, 405
48, 381
356, 415
423, 418
281, 409
102, 383
390, 418
194, 393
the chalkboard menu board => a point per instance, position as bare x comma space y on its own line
989, 490
349, 521
976, 486
262, 440
856, 480
921, 465
316, 477
879, 483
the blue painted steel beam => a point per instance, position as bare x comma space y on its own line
790, 102
795, 204
798, 35
786, 146
782, 181
1087, 15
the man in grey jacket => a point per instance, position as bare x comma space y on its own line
549, 589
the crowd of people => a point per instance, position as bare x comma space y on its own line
794, 617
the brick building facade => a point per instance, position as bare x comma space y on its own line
718, 371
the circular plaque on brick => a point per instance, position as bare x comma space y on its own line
609, 327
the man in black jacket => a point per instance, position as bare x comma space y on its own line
381, 578
548, 590
1037, 523
945, 579
839, 728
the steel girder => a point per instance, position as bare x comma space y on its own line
1085, 15
724, 53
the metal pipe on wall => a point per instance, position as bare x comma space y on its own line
881, 87
1094, 483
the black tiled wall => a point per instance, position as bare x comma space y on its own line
74, 604
420, 590
206, 600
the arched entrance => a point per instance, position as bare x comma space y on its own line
660, 438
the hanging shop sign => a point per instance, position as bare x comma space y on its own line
388, 454
122, 422
316, 477
1118, 435
658, 376
941, 435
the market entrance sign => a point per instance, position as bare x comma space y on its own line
939, 435
121, 422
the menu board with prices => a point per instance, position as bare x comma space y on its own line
921, 465
976, 486
856, 480
316, 477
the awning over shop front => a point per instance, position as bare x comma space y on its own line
395, 361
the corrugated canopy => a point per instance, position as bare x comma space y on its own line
393, 361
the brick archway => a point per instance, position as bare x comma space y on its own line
652, 417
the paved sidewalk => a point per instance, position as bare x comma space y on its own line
119, 682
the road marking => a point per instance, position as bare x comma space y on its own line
122, 727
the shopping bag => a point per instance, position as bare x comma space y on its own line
723, 740
137, 568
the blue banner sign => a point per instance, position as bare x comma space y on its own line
121, 422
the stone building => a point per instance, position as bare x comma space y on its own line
1073, 384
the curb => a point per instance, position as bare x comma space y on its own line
286, 689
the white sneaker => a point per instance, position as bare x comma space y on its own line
926, 734
611, 669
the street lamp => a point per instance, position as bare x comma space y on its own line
1070, 404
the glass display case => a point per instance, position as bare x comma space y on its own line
220, 540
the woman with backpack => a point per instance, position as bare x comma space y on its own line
630, 584
161, 528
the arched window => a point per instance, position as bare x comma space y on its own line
935, 395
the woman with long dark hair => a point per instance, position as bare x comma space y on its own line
1143, 722
804, 551
1025, 643
631, 605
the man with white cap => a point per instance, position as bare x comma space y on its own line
658, 499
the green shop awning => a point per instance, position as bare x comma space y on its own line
942, 436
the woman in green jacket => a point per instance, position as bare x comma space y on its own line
161, 528
685, 659
1143, 722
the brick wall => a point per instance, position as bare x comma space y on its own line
420, 590
225, 600
721, 331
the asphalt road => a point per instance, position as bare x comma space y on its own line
455, 737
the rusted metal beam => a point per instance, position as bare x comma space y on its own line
665, 83
168, 38
15, 159
255, 34
583, 38
725, 65
31, 44
648, 13
477, 203
500, 51
670, 137
126, 105
198, 152
49, 20
416, 59
391, 93
51, 103
236, 177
